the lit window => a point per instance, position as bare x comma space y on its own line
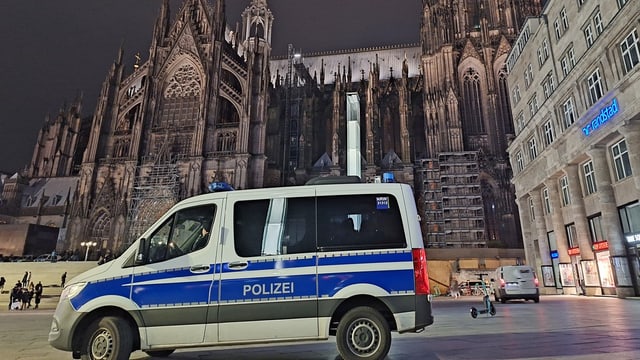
630, 52
594, 82
589, 178
621, 160
569, 115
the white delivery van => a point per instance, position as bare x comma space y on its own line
258, 266
515, 282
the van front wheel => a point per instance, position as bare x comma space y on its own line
363, 334
108, 338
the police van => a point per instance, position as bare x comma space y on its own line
258, 266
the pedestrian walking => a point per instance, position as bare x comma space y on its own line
63, 279
38, 294
2, 282
454, 289
25, 279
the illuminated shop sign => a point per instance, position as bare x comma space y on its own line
554, 254
606, 113
631, 239
574, 251
600, 245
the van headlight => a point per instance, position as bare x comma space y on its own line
72, 290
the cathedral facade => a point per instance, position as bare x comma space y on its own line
212, 104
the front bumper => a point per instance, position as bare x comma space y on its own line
63, 325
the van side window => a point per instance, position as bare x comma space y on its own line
358, 222
186, 231
274, 226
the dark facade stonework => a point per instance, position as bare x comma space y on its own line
213, 104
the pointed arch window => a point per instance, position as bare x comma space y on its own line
472, 103
228, 113
101, 230
180, 103
504, 107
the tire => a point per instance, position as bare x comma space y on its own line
363, 334
495, 297
159, 353
492, 310
108, 338
503, 300
536, 299
474, 312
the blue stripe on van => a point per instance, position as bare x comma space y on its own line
94, 290
392, 281
365, 258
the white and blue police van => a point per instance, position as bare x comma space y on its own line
258, 266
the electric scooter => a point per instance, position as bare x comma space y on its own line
486, 300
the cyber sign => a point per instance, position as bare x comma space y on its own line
606, 113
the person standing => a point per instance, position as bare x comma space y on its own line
2, 282
63, 279
38, 294
25, 279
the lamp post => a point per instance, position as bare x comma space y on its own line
88, 244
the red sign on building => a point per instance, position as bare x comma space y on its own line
600, 245
574, 251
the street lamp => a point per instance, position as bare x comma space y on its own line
88, 244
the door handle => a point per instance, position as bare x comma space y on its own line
238, 265
200, 268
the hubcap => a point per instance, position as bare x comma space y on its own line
364, 337
101, 345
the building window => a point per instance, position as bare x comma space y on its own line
594, 83
572, 57
564, 63
565, 20
532, 212
540, 58
533, 105
545, 49
533, 148
621, 3
630, 52
528, 75
589, 178
472, 103
548, 85
520, 121
546, 201
515, 93
630, 218
597, 23
621, 160
588, 35
569, 115
581, 2
595, 229
548, 133
556, 26
564, 189
519, 161
572, 236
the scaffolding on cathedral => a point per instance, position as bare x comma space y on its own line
452, 200
156, 189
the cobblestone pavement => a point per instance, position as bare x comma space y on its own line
559, 327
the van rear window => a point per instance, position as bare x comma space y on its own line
524, 271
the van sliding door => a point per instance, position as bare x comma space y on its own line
269, 281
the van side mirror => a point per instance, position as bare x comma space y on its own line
142, 252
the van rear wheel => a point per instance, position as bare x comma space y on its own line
362, 334
108, 338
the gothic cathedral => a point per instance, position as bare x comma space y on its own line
213, 104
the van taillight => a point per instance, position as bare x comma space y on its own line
535, 281
502, 283
420, 274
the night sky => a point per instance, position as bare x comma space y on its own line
54, 49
